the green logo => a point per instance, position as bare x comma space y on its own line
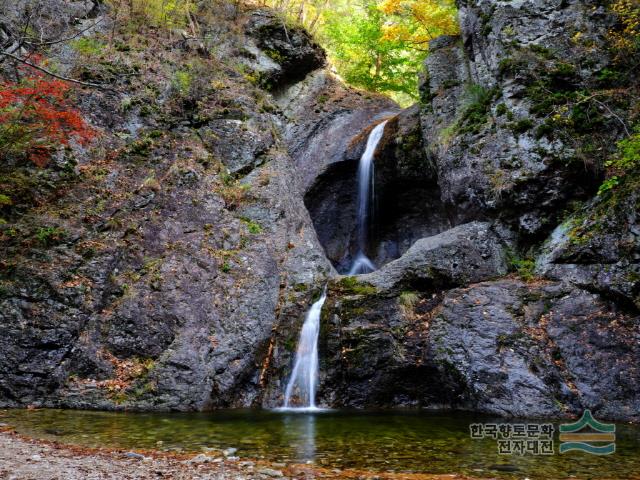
597, 433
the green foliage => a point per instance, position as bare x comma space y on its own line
89, 46
182, 82
625, 161
252, 226
158, 13
608, 184
364, 57
377, 45
524, 267
521, 126
48, 236
628, 157
475, 108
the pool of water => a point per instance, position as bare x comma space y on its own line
378, 441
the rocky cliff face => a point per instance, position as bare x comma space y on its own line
172, 259
171, 268
513, 143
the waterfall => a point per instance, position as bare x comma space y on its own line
362, 263
304, 376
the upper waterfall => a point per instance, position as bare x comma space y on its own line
366, 195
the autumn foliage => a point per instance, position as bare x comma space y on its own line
36, 118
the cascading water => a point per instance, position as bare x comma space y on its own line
362, 263
304, 377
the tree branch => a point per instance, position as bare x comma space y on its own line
60, 77
62, 40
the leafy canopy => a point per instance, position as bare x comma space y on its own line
378, 45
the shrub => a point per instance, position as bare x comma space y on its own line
159, 13
626, 160
88, 46
182, 82
48, 236
36, 118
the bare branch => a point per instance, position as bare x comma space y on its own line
62, 40
55, 75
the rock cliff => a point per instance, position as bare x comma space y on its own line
171, 268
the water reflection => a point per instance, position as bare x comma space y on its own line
376, 441
300, 435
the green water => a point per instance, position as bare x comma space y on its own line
378, 441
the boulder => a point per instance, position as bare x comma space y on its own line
286, 54
598, 248
465, 254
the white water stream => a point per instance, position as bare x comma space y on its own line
362, 263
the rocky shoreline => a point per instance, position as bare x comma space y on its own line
24, 458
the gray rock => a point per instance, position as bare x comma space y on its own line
503, 347
599, 247
134, 455
292, 51
269, 472
481, 118
465, 254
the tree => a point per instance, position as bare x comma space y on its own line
366, 57
416, 22
35, 118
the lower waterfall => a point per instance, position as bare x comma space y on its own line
304, 377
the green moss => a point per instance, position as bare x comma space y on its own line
351, 285
521, 126
301, 287
89, 46
544, 130
49, 236
253, 227
524, 267
510, 66
276, 56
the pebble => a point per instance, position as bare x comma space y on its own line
35, 458
229, 451
202, 458
270, 472
134, 455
